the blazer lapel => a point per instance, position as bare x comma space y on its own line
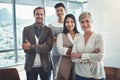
66, 41
32, 35
42, 35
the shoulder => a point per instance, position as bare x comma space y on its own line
97, 34
46, 27
78, 34
78, 37
60, 35
51, 26
54, 23
28, 27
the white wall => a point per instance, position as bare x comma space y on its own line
106, 21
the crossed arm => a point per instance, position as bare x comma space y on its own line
95, 56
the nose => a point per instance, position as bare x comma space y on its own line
70, 23
85, 24
39, 15
60, 12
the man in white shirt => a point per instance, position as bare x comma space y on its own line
57, 27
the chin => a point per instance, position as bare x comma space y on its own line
60, 16
38, 22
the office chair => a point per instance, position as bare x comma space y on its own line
9, 74
112, 73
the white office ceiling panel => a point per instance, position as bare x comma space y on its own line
30, 2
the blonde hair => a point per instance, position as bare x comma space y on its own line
84, 14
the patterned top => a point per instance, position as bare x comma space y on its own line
91, 64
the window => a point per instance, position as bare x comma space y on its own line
50, 15
24, 17
11, 34
7, 58
6, 27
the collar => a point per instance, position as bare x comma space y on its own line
41, 26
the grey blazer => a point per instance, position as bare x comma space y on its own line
44, 47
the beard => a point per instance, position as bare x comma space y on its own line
38, 21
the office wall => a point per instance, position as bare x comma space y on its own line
106, 21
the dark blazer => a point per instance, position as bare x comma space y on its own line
44, 47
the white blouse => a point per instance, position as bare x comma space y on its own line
90, 65
62, 50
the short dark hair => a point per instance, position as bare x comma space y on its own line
37, 9
65, 30
59, 5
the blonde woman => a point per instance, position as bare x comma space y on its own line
88, 52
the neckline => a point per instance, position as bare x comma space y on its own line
88, 39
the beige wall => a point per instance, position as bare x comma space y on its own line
106, 21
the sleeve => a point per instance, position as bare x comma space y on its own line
95, 57
52, 28
25, 37
62, 50
75, 50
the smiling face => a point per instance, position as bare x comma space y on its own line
69, 24
60, 12
39, 16
85, 22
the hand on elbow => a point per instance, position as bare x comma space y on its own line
96, 51
26, 46
76, 55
